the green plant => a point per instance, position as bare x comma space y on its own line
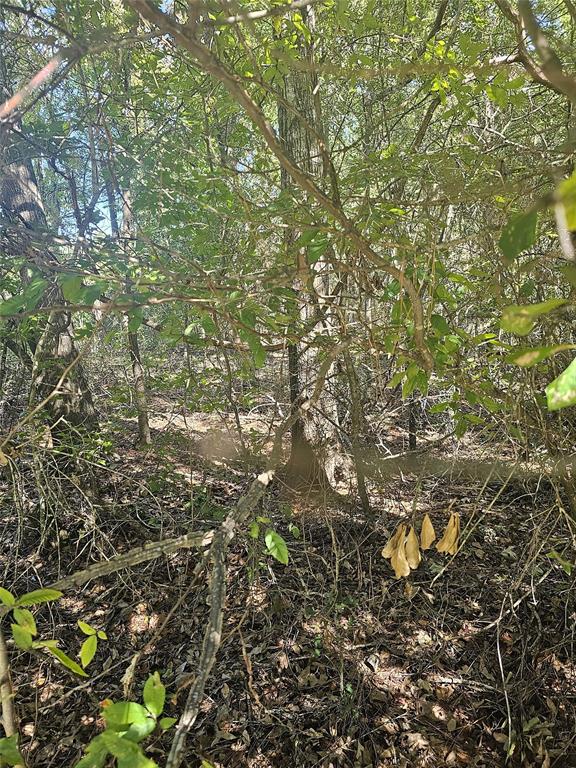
274, 543
127, 724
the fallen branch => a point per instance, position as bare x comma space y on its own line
135, 556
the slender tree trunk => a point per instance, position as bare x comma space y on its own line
313, 437
356, 421
138, 377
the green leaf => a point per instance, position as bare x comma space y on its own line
7, 598
22, 637
276, 546
25, 301
25, 619
86, 628
88, 650
294, 530
154, 694
258, 351
521, 318
526, 357
254, 530
9, 750
561, 392
96, 754
518, 234
45, 643
122, 714
167, 722
567, 566
139, 731
566, 194
39, 596
128, 753
71, 288
67, 662
440, 325
102, 635
317, 247
136, 318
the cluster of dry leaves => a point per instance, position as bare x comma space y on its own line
403, 548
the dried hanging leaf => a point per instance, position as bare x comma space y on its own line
399, 562
427, 534
3, 458
393, 542
449, 542
412, 549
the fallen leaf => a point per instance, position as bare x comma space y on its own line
427, 533
449, 541
392, 544
412, 549
398, 560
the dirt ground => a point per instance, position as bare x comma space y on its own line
328, 661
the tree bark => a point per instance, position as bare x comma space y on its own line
313, 436
57, 373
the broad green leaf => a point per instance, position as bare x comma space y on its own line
71, 288
67, 662
22, 637
11, 306
140, 731
518, 234
39, 596
128, 753
9, 750
25, 301
167, 722
561, 392
521, 318
122, 714
96, 754
529, 356
154, 694
86, 628
569, 272
7, 598
25, 619
276, 546
88, 650
440, 325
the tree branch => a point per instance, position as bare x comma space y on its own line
213, 66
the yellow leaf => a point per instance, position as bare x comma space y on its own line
392, 544
427, 534
399, 562
412, 549
449, 542
3, 458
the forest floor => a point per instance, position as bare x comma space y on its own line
328, 661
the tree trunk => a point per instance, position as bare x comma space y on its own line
57, 373
139, 380
313, 436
